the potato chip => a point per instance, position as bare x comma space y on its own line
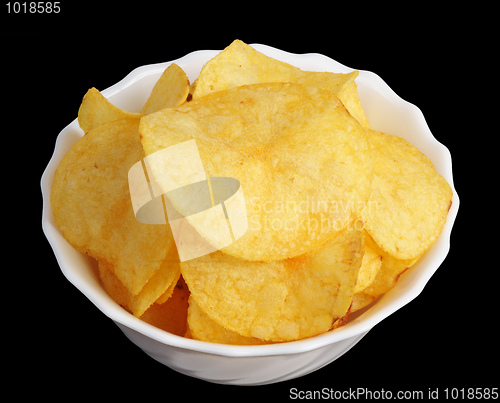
281, 300
159, 287
171, 315
170, 90
240, 64
202, 327
91, 204
349, 96
303, 162
370, 266
361, 300
383, 279
96, 110
409, 200
168, 292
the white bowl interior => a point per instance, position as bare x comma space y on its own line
385, 111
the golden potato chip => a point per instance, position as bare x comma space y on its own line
91, 203
281, 300
170, 90
390, 270
381, 281
240, 64
171, 315
343, 86
201, 327
370, 266
168, 292
96, 110
361, 300
158, 288
349, 96
302, 160
409, 200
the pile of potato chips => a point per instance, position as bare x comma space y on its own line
336, 211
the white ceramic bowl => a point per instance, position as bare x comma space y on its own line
253, 365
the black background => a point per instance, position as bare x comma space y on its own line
63, 345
